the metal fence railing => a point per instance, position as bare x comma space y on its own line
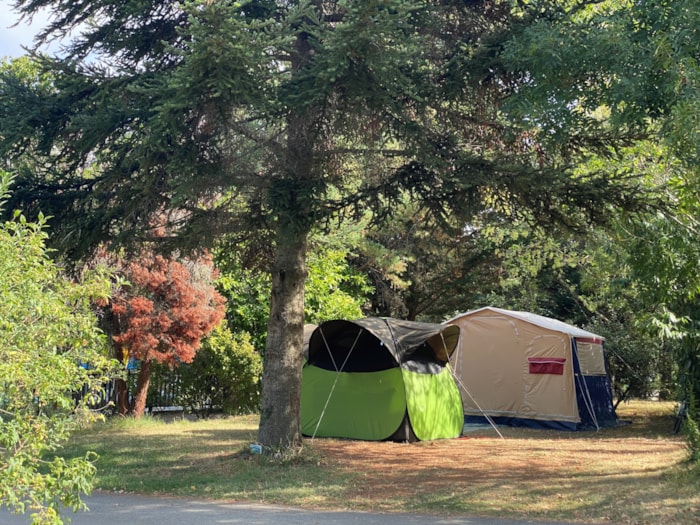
164, 390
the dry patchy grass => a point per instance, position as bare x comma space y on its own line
633, 474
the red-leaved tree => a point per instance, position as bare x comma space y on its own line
162, 313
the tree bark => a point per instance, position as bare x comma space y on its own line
142, 389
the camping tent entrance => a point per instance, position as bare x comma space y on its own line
593, 391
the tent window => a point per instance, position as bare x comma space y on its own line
590, 357
546, 365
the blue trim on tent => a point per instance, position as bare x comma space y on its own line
593, 394
523, 423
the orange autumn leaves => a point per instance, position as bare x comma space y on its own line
167, 308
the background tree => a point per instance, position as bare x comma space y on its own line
267, 119
422, 272
50, 348
664, 265
334, 289
224, 374
161, 312
642, 62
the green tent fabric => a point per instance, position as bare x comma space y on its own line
434, 404
380, 378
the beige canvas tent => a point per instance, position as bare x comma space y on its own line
524, 369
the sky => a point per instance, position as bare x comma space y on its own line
13, 38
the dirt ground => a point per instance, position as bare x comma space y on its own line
485, 458
539, 474
482, 453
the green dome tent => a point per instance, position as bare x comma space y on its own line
381, 379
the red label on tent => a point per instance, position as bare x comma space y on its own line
546, 365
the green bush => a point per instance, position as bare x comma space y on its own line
692, 431
50, 347
225, 374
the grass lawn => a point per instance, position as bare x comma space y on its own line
633, 474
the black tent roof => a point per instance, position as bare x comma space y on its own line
376, 343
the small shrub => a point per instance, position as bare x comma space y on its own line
225, 374
692, 431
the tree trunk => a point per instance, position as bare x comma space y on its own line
142, 389
280, 426
290, 200
110, 325
121, 397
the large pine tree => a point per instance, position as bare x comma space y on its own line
267, 119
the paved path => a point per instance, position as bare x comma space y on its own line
118, 509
